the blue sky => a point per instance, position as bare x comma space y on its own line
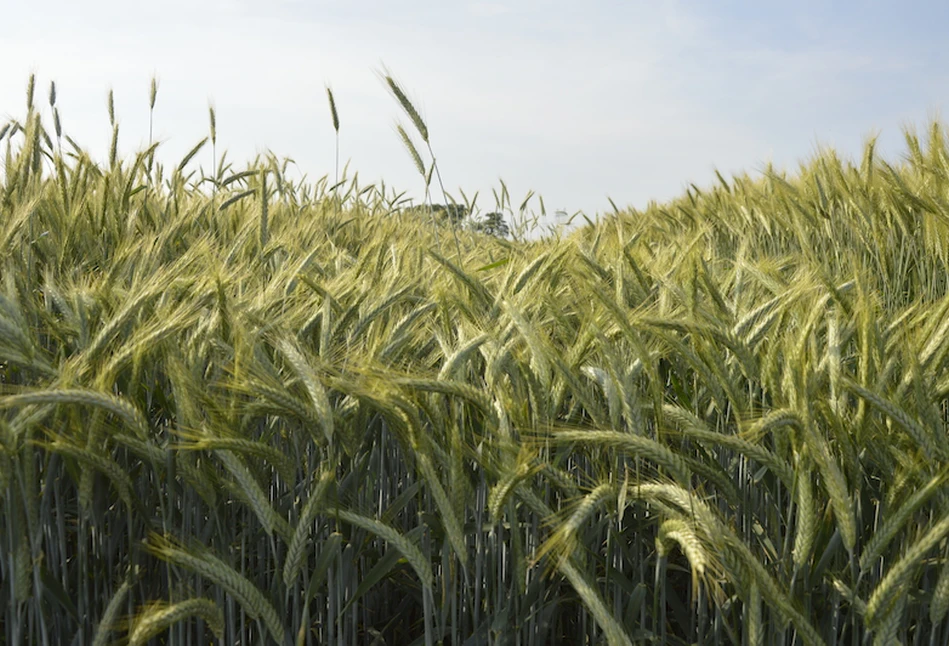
577, 101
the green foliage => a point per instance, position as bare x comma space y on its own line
493, 224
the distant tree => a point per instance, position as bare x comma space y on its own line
454, 213
493, 224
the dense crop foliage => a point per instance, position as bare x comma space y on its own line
233, 405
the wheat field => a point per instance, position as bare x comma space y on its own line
237, 408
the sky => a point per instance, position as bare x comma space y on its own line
578, 101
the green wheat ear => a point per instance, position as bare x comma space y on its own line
413, 151
213, 120
335, 115
30, 88
407, 105
214, 161
111, 106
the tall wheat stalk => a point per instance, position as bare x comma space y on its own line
334, 115
420, 126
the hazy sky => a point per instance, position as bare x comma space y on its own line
576, 100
